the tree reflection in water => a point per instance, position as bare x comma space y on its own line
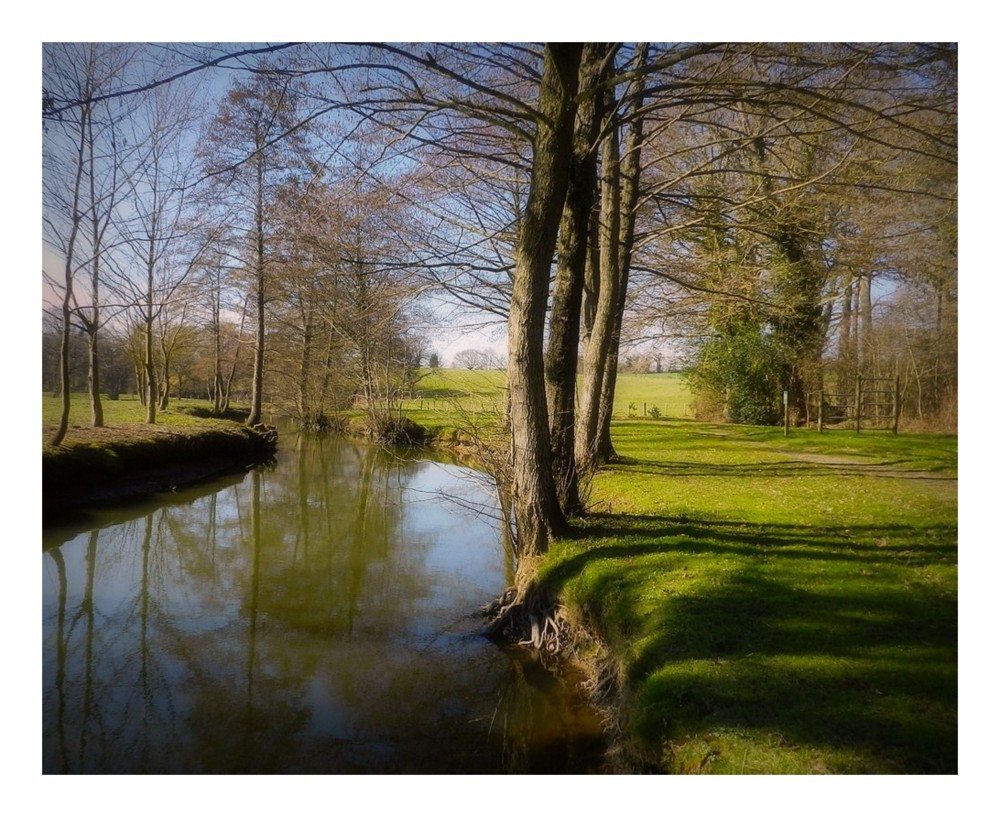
316, 616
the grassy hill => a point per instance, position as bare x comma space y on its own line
446, 389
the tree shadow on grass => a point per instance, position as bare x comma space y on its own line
828, 642
780, 468
933, 544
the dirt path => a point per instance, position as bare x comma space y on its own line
853, 466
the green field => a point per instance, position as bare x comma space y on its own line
772, 604
668, 392
445, 389
449, 390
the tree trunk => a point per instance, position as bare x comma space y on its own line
564, 318
217, 337
324, 390
67, 301
536, 506
149, 369
866, 352
608, 287
257, 392
61, 429
148, 362
306, 411
165, 384
630, 171
94, 369
846, 355
93, 376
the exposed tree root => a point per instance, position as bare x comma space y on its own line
528, 618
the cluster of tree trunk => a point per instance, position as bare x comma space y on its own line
785, 168
583, 195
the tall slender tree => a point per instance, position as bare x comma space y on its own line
157, 225
81, 183
254, 143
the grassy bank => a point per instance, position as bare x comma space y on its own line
775, 605
769, 604
128, 458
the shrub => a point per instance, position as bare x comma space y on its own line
741, 372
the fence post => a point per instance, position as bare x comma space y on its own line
857, 406
784, 397
643, 408
895, 407
819, 421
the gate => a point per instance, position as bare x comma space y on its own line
873, 405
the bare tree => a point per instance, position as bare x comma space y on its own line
157, 229
252, 145
81, 183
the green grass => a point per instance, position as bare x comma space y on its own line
775, 605
123, 411
127, 457
450, 398
668, 392
125, 438
443, 388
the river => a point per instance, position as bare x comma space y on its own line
317, 615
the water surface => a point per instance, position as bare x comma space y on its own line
318, 615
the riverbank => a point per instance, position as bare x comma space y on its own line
128, 459
754, 604
750, 603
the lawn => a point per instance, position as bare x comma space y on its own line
772, 604
126, 412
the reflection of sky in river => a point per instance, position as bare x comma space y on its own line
318, 615
448, 506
